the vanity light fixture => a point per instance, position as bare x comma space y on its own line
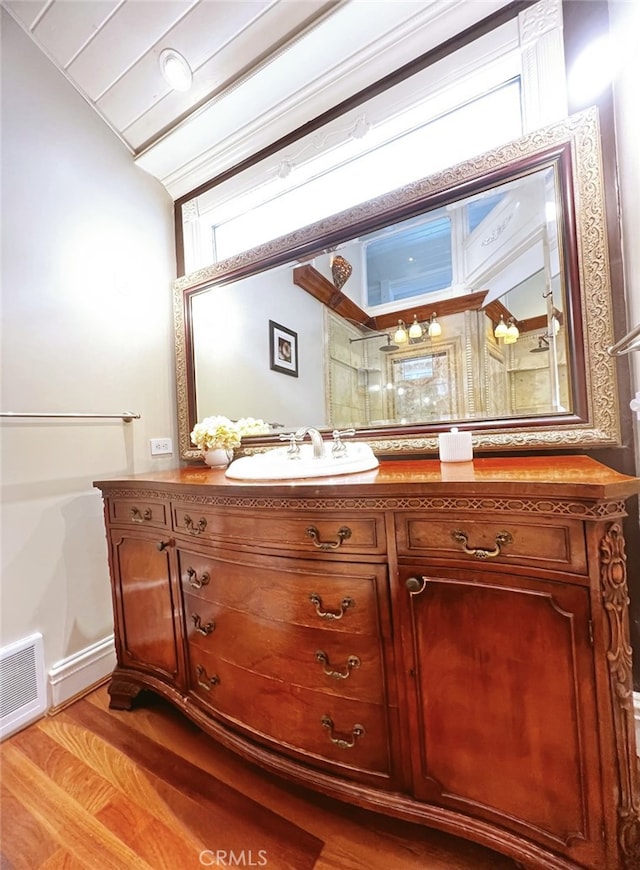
175, 70
400, 336
513, 333
415, 330
501, 329
435, 329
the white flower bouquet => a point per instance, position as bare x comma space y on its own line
216, 432
251, 426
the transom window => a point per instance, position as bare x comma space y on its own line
434, 144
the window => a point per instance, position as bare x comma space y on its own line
478, 210
411, 261
434, 144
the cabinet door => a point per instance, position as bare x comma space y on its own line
505, 704
146, 605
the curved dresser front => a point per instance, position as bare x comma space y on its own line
447, 644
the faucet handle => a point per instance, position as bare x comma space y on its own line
294, 447
338, 447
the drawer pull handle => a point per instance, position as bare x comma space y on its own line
138, 517
200, 628
204, 680
323, 658
162, 545
345, 604
479, 553
344, 532
195, 581
192, 528
342, 742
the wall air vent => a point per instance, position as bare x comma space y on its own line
22, 684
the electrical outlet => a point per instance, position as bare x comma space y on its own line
161, 446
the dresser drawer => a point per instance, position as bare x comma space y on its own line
303, 531
351, 734
332, 662
338, 597
139, 512
554, 543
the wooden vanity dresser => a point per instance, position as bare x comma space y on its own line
446, 644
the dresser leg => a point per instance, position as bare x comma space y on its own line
122, 692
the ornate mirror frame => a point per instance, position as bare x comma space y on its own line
574, 146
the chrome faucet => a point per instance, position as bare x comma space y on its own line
316, 440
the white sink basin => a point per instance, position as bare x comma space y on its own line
277, 464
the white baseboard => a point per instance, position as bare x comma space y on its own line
75, 674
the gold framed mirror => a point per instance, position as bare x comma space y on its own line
497, 394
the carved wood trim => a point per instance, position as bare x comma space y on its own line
495, 310
309, 279
457, 305
615, 598
324, 291
530, 324
554, 507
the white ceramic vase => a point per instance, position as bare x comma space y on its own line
217, 457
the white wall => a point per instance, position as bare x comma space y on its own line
231, 348
625, 24
87, 265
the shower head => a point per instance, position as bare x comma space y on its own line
543, 345
385, 347
388, 347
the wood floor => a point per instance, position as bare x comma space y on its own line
95, 789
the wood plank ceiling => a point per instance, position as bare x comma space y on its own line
261, 68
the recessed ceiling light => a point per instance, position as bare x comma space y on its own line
175, 70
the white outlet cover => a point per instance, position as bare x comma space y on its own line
161, 446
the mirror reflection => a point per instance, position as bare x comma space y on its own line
455, 314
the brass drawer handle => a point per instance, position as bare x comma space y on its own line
162, 545
192, 528
200, 628
195, 581
204, 680
323, 658
345, 604
138, 517
344, 532
342, 742
501, 539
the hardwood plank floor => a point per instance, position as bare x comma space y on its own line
97, 789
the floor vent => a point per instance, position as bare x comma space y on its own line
23, 696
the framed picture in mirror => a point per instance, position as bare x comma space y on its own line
283, 349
